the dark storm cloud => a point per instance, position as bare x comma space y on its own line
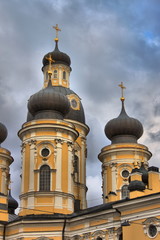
108, 42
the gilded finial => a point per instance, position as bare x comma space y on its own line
57, 30
122, 90
50, 60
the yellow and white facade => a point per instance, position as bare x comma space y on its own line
53, 180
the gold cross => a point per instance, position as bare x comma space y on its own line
57, 30
50, 61
122, 89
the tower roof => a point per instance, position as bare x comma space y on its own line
57, 56
47, 103
12, 203
123, 128
3, 133
77, 115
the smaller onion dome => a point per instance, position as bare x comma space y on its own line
136, 185
123, 128
48, 104
57, 56
12, 204
134, 170
3, 133
144, 174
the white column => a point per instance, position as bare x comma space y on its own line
59, 165
23, 166
82, 168
31, 171
3, 181
114, 182
70, 158
104, 183
82, 162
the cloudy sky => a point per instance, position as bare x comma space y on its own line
109, 41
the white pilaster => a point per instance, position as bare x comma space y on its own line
59, 165
113, 166
70, 155
31, 171
23, 166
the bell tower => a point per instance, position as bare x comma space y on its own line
54, 143
123, 155
5, 162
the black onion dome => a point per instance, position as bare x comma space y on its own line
144, 174
3, 133
123, 128
12, 204
76, 115
48, 104
134, 170
57, 56
136, 186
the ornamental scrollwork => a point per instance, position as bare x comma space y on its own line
59, 141
99, 233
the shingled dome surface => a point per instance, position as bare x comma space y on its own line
3, 133
57, 56
48, 103
76, 115
123, 126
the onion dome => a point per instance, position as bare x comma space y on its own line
75, 115
136, 185
58, 57
48, 104
3, 133
144, 174
12, 204
123, 128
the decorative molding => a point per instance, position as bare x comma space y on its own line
59, 141
113, 164
98, 233
87, 235
111, 233
70, 145
151, 221
77, 237
32, 142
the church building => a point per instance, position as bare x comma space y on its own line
53, 192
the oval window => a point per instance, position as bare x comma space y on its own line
45, 152
152, 230
125, 173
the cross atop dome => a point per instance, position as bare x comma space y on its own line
122, 90
57, 30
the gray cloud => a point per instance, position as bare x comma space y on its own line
108, 42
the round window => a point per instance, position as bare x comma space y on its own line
73, 103
45, 152
125, 173
152, 230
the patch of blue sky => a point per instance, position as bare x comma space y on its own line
151, 39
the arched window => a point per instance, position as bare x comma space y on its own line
55, 74
64, 75
44, 178
125, 191
76, 163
